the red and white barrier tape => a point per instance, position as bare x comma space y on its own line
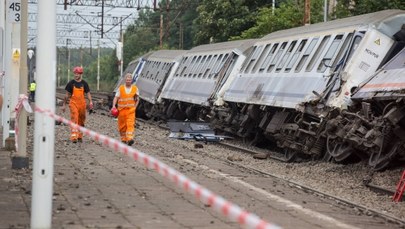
22, 102
226, 208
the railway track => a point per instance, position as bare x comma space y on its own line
101, 100
361, 209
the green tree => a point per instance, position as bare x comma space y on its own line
346, 8
218, 20
141, 37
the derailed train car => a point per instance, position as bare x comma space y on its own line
292, 87
155, 68
377, 125
180, 84
194, 86
296, 83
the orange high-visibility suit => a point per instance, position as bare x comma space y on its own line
126, 116
77, 106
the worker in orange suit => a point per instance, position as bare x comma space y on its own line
76, 90
127, 98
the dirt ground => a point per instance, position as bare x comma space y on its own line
343, 181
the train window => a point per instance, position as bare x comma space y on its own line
206, 73
276, 57
248, 57
195, 66
354, 46
317, 53
286, 56
208, 65
253, 58
307, 52
182, 71
220, 66
342, 50
327, 59
202, 66
214, 61
296, 55
185, 59
215, 68
261, 58
249, 63
268, 57
193, 60
191, 67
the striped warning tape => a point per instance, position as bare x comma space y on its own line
219, 204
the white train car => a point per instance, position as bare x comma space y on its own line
287, 67
295, 80
154, 69
380, 120
202, 72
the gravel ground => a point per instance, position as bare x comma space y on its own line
343, 181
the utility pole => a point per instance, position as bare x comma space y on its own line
181, 36
122, 49
44, 133
20, 160
12, 54
68, 49
307, 14
161, 29
59, 70
98, 64
81, 56
102, 18
167, 33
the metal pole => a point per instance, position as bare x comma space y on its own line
325, 11
30, 54
44, 134
273, 6
20, 160
59, 75
98, 64
122, 53
68, 76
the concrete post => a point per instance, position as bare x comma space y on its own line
44, 134
20, 159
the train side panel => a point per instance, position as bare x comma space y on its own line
201, 71
156, 69
388, 83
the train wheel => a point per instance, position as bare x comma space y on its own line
339, 150
379, 162
290, 155
171, 109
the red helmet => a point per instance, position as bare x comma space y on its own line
78, 70
114, 112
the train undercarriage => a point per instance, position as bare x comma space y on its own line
376, 136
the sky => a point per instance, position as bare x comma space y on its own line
80, 25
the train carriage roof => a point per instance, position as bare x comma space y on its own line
165, 55
226, 46
377, 20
